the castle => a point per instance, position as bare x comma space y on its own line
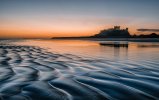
115, 32
118, 28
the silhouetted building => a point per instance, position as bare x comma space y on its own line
126, 29
115, 32
116, 27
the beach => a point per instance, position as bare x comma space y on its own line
32, 71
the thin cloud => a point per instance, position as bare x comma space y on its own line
148, 30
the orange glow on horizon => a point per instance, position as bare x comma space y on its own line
48, 32
72, 18
59, 27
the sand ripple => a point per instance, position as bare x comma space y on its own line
31, 73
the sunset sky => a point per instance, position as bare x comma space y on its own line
55, 18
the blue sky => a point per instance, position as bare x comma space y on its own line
75, 17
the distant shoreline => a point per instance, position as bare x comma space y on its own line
110, 39
97, 39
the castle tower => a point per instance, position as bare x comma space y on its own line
116, 27
126, 29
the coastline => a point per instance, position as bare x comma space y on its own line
110, 39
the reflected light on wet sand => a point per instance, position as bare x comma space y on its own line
93, 49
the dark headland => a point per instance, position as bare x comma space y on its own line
117, 34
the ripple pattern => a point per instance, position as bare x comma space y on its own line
31, 73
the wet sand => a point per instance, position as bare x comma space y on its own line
32, 73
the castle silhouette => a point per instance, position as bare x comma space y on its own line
115, 32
